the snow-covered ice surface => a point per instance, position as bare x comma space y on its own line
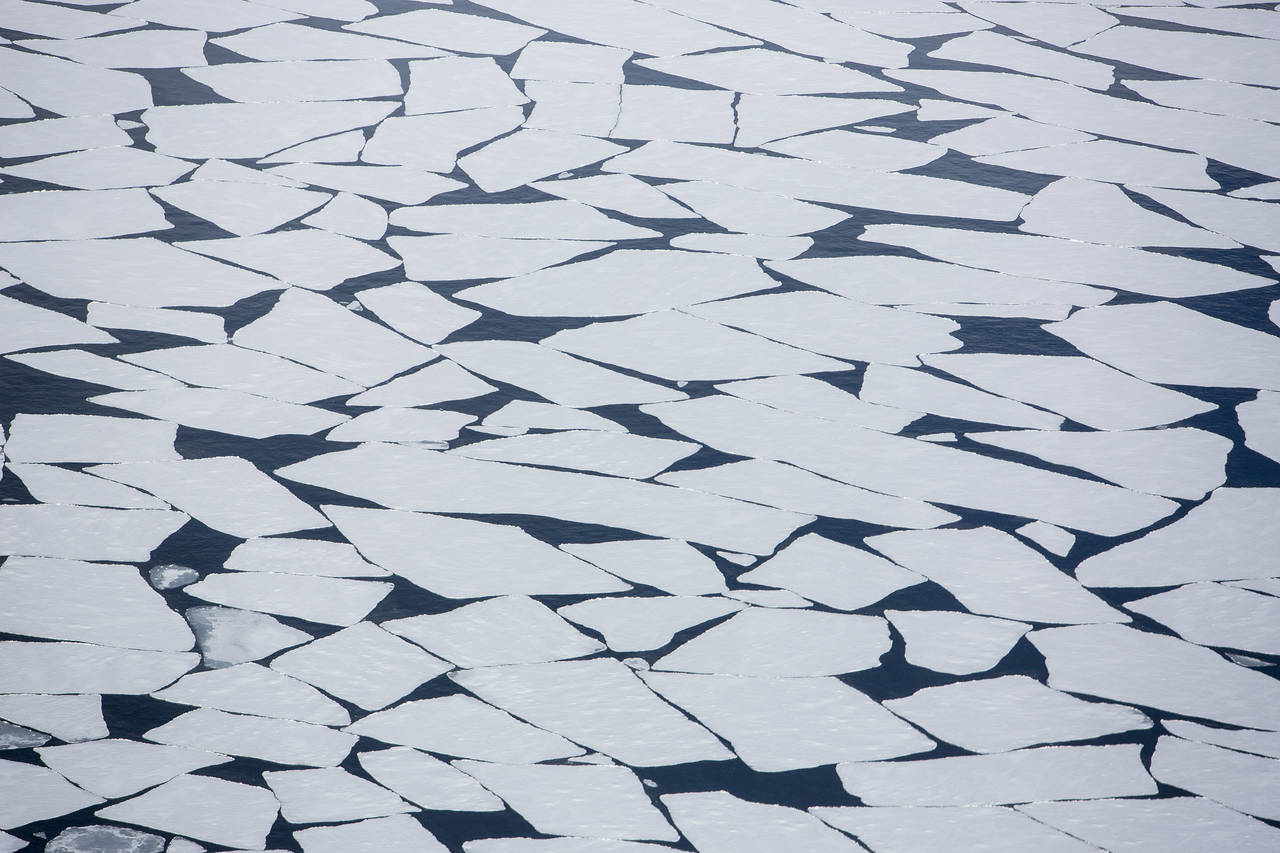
619, 426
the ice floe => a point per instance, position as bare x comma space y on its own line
86, 668
307, 257
30, 793
667, 112
620, 454
68, 717
958, 829
763, 118
117, 768
1108, 160
29, 327
570, 62
101, 168
68, 88
590, 109
56, 135
79, 214
436, 383
622, 193
139, 49
211, 408
1154, 825
203, 807
396, 834
331, 601
528, 155
1250, 222
1211, 96
85, 533
241, 208
1188, 54
809, 396
399, 184
427, 781
1214, 615
100, 837
1244, 782
211, 15
1006, 133
188, 324
955, 643
915, 390
665, 564
227, 636
350, 215
753, 212
268, 739
562, 220
642, 623
993, 49
525, 415
300, 557
200, 130
391, 424
857, 150
1057, 24
89, 438
839, 576
451, 31
1258, 419
329, 795
718, 822
1241, 740
759, 71
252, 689
239, 369
452, 257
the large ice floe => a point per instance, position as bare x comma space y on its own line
624, 426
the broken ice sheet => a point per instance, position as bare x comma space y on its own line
351, 215
590, 109
1259, 418
993, 49
496, 631
67, 600
753, 212
455, 257
763, 118
642, 623
779, 724
69, 717
1214, 615
563, 220
1156, 825
1247, 783
117, 768
759, 71
56, 135
274, 82
1211, 96
274, 740
839, 576
451, 31
84, 668
85, 533
239, 369
78, 214
1026, 775
140, 49
749, 245
459, 83
89, 438
1006, 133
189, 324
248, 688
30, 793
522, 415
619, 454
330, 601
857, 150
433, 141
395, 834
427, 781
621, 193
465, 727
783, 643
301, 557
416, 311
400, 184
409, 425
915, 390
1108, 160
1250, 222
809, 396
329, 794
203, 807
307, 257
1008, 712
241, 208
69, 88
28, 327
955, 643
1189, 54
342, 147
212, 409
718, 822
966, 829
667, 112
600, 704
528, 155
669, 565
435, 383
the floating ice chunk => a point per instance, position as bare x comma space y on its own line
1211, 96
993, 49
28, 327
363, 665
392, 183
217, 410
215, 16
1080, 388
241, 208
141, 49
524, 415
1189, 54
1033, 312
966, 829
436, 383
759, 71
273, 82
622, 193
331, 601
553, 375
665, 112
1055, 540
665, 564
223, 170
329, 794
1007, 133
337, 10
1026, 775
1180, 462
60, 22
339, 148
676, 346
350, 215
718, 822
599, 704
787, 487
839, 576
625, 281
78, 214
417, 311
1155, 825
847, 329
203, 807
451, 31
762, 118
17, 737
433, 141
227, 636
528, 155
239, 369
278, 741
558, 845
388, 474
909, 468
118, 768
1025, 586
620, 454
301, 557
200, 486
1246, 21
396, 834
1000, 714
1108, 160
89, 438
621, 23
565, 220
1046, 257
85, 533
570, 62
809, 396
69, 718
80, 668
1213, 615
101, 168
453, 257
1126, 665
29, 793
393, 424
68, 600
783, 643
139, 271
1247, 783
459, 83
201, 130
858, 150
1258, 418
915, 390
316, 331
54, 135
1269, 190
911, 25
1113, 218
1058, 24
753, 212
308, 257
187, 324
1251, 222
955, 643
769, 598
428, 781
248, 688
1168, 343
11, 106
1241, 740
590, 109
641, 623
281, 41
69, 88
104, 839
470, 559
593, 801
1226, 538
790, 723
463, 726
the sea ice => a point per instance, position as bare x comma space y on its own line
1258, 418
204, 130
187, 324
239, 369
809, 396
1247, 783
351, 215
227, 636
277, 82
331, 601
29, 793
68, 88
955, 829
763, 118
89, 438
563, 220
277, 741
68, 717
954, 643
856, 150
396, 834
570, 62
457, 257
1187, 824
1006, 133
281, 41
915, 390
212, 409
839, 576
241, 208
642, 623
85, 533
329, 795
668, 112
666, 564
760, 71
718, 822
1214, 615
248, 688
400, 184
85, 668
28, 327
427, 781
393, 424
1001, 51
300, 557
436, 383
117, 768
464, 33
203, 807
55, 135
528, 155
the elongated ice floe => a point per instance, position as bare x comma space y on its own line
591, 801
97, 603
954, 643
280, 41
239, 369
857, 150
68, 717
307, 257
241, 208
1109, 160
528, 155
216, 409
1246, 783
227, 636
138, 49
465, 727
300, 557
590, 109
718, 822
525, 415
600, 704
665, 564
806, 395
53, 485
84, 668
203, 807
89, 438
957, 829
427, 781
1155, 825
395, 834
1189, 54
432, 142
200, 130
1126, 665
252, 689
457, 257
435, 383
570, 62
753, 212
273, 82
763, 118
98, 168
400, 184
198, 325
329, 795
331, 601
839, 576
1005, 133
1211, 96
68, 88
760, 71
564, 220
31, 793
620, 454
621, 193
268, 739
85, 533
78, 214
642, 623
394, 424
1214, 615
668, 112
993, 49
915, 390
351, 215
117, 768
